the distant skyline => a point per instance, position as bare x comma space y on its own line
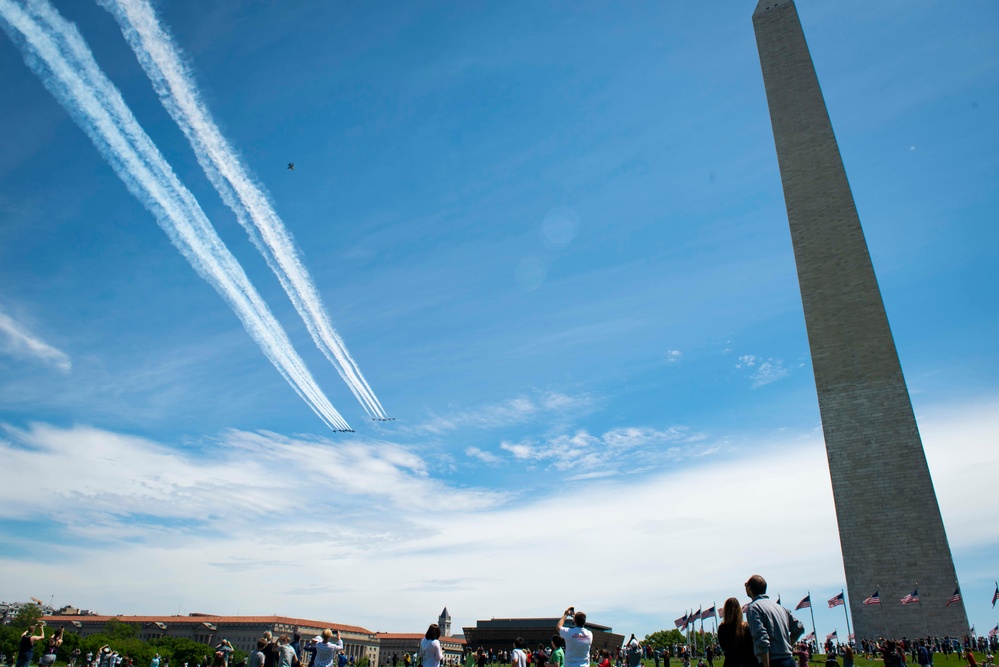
554, 240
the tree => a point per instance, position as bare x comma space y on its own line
663, 638
115, 628
27, 615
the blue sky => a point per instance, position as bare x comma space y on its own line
554, 241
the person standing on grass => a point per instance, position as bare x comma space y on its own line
327, 648
770, 626
577, 639
519, 656
286, 654
734, 637
557, 658
431, 654
49, 657
634, 652
26, 645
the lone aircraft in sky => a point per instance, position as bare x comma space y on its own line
291, 166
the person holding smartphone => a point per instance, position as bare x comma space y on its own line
26, 645
577, 638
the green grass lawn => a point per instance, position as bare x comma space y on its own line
939, 660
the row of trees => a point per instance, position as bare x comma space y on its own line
121, 637
664, 638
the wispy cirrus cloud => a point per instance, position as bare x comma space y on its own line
482, 455
763, 371
17, 341
103, 485
614, 452
519, 410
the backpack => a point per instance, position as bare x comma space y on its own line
341, 660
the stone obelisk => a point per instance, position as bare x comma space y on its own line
890, 528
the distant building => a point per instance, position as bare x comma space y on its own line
499, 633
444, 621
8, 610
241, 631
401, 643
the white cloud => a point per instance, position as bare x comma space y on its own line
765, 371
769, 371
484, 456
511, 412
17, 341
393, 543
105, 479
616, 451
672, 356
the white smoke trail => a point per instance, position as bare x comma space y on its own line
55, 51
174, 83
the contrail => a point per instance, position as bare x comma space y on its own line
175, 85
55, 51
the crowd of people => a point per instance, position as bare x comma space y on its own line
762, 634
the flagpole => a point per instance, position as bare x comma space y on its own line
689, 634
715, 605
846, 613
883, 617
811, 610
922, 613
701, 638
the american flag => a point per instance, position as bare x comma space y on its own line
911, 597
874, 599
994, 631
805, 603
809, 636
995, 596
956, 597
694, 617
831, 635
851, 638
837, 601
680, 622
710, 612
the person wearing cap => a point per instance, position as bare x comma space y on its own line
577, 638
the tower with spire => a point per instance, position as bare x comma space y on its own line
444, 622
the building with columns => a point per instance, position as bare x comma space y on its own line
241, 631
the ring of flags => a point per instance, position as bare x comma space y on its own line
838, 600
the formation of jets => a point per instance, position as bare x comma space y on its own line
291, 167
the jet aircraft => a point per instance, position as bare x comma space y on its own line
291, 166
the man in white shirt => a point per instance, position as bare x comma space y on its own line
519, 657
577, 639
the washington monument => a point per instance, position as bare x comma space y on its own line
890, 528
